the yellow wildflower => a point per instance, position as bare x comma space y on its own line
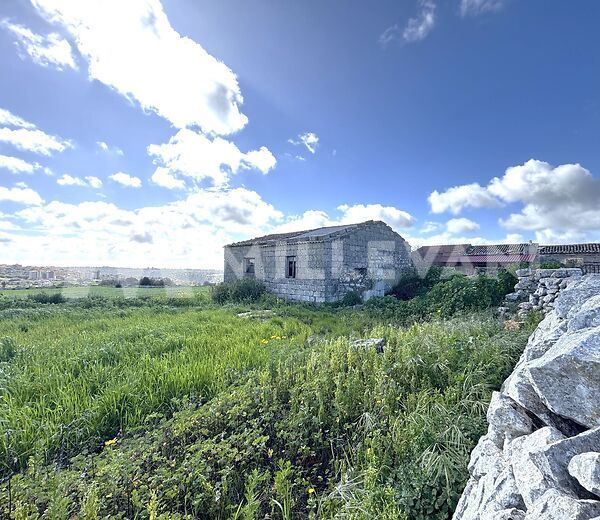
311, 490
110, 442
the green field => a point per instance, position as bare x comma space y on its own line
110, 292
174, 407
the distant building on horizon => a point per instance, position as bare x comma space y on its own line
324, 264
471, 259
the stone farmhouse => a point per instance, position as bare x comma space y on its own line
324, 264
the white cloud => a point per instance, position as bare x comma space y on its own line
457, 226
190, 232
391, 34
558, 203
420, 26
16, 165
126, 180
430, 227
94, 182
34, 141
110, 149
395, 217
20, 195
131, 47
9, 119
193, 154
163, 177
70, 180
308, 139
44, 50
355, 214
477, 7
457, 198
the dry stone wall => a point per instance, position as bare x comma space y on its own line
540, 459
537, 289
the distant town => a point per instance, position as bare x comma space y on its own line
18, 276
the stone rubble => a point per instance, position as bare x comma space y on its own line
540, 459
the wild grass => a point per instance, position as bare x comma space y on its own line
77, 377
196, 413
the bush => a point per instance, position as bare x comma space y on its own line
47, 297
350, 299
241, 291
412, 285
506, 281
552, 264
444, 299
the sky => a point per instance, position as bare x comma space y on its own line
151, 133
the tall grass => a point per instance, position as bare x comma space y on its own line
317, 429
74, 379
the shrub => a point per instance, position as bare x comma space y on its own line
506, 281
47, 298
412, 285
350, 299
241, 291
552, 264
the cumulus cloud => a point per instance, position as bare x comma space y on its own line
163, 177
94, 182
308, 139
20, 195
477, 7
50, 50
421, 25
559, 201
457, 198
132, 47
35, 141
127, 180
16, 165
9, 119
70, 180
195, 155
457, 226
394, 217
189, 232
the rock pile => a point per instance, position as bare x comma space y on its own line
537, 289
540, 459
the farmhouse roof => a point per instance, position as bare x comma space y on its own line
570, 249
465, 253
318, 234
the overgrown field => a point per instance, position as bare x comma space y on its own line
158, 409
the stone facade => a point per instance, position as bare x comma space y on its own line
367, 258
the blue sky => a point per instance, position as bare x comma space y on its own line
153, 133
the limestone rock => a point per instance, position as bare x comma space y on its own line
587, 316
585, 467
507, 417
530, 478
567, 377
505, 514
576, 294
554, 505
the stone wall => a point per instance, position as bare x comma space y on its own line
368, 259
537, 289
540, 458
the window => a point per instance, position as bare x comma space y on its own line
290, 271
249, 266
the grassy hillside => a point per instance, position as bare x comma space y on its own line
159, 409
